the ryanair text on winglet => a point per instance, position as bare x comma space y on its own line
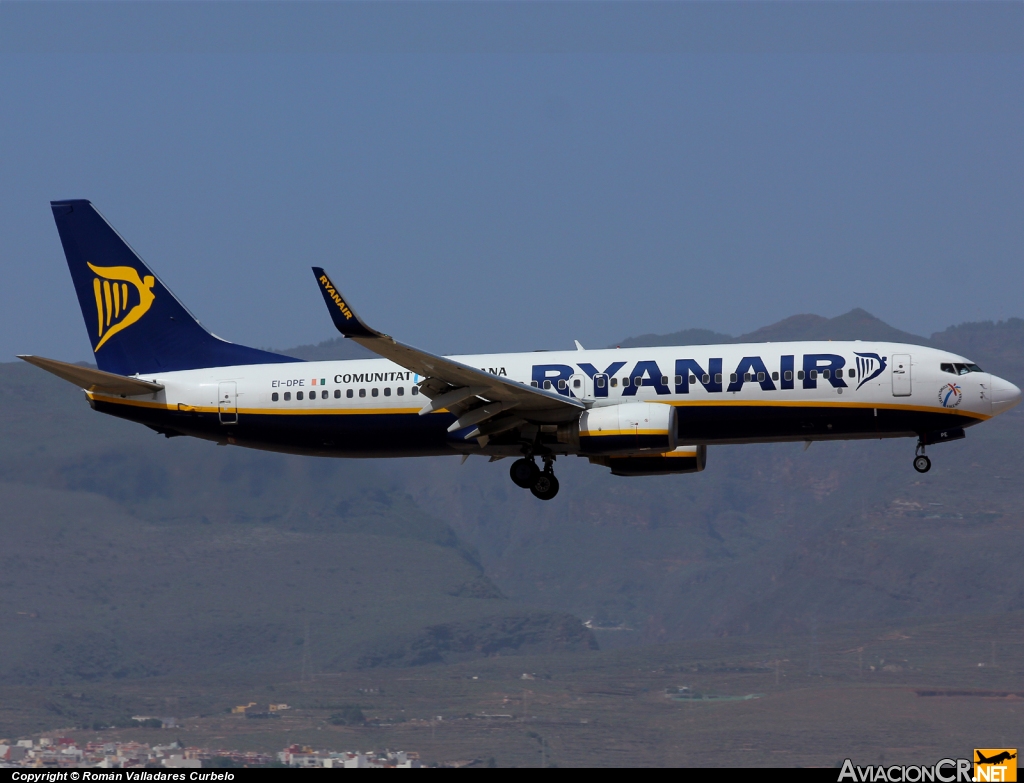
336, 298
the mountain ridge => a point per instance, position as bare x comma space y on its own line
114, 535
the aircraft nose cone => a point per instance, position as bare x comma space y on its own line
1004, 395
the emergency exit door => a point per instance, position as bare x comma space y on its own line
580, 386
901, 375
227, 402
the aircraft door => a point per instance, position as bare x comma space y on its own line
227, 402
901, 375
581, 386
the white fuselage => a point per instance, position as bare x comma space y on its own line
724, 394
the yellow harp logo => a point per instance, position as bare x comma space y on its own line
122, 298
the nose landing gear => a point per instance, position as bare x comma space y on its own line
921, 463
542, 483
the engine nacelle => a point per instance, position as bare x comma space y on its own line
684, 459
630, 428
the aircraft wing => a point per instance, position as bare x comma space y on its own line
464, 390
94, 380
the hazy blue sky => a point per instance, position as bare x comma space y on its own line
501, 177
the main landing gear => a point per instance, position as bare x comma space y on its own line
542, 483
921, 463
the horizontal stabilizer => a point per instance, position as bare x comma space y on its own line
93, 380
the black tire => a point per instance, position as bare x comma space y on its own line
524, 473
545, 487
922, 464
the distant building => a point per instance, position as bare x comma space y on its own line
178, 761
64, 752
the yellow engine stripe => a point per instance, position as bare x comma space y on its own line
602, 433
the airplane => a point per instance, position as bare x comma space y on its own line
638, 411
996, 759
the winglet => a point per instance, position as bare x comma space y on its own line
344, 317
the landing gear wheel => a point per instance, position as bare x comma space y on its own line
545, 486
524, 473
922, 464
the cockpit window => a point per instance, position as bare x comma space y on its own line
959, 369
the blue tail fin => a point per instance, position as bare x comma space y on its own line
135, 323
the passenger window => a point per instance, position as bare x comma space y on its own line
664, 380
533, 384
387, 391
825, 374
337, 394
788, 375
638, 381
273, 397
400, 391
547, 384
298, 395
323, 394
732, 378
706, 378
799, 375
851, 372
839, 373
287, 396
747, 377
814, 375
615, 382
693, 379
775, 376
561, 383
375, 392
760, 377
718, 377
348, 393
362, 392
415, 390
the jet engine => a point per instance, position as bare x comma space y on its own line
684, 459
630, 428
